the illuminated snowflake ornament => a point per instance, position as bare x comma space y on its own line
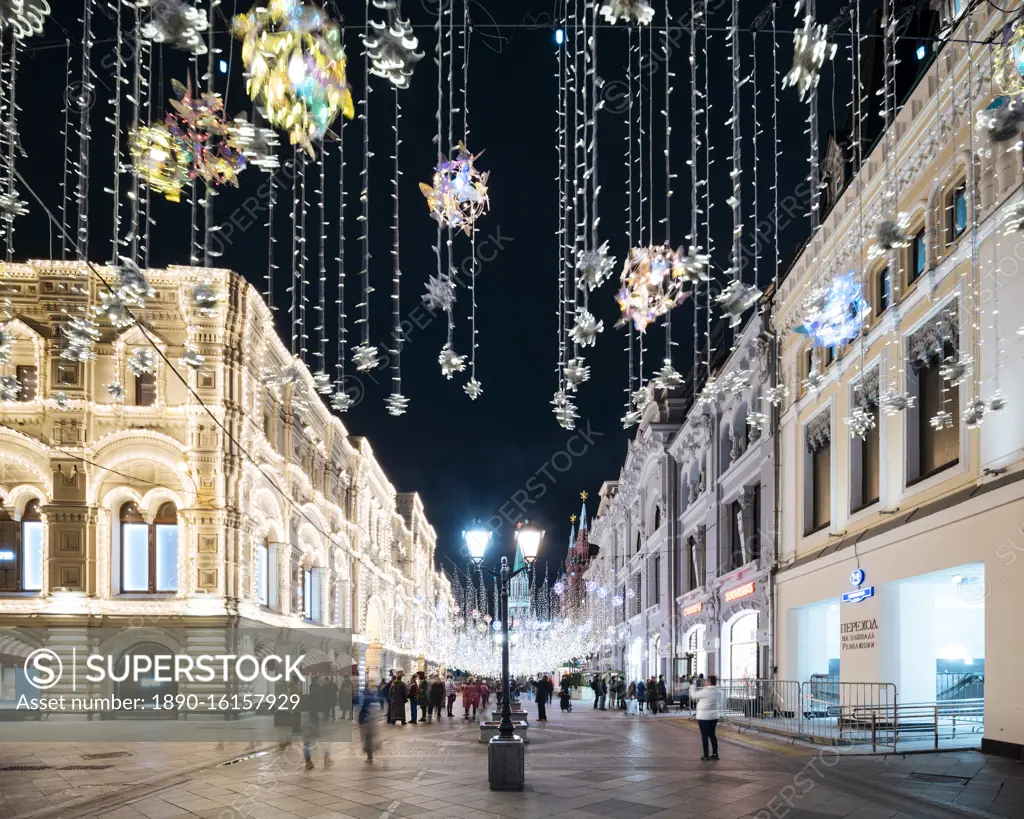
365, 358
114, 308
890, 234
1001, 122
627, 11
565, 410
974, 414
594, 267
6, 345
559, 588
895, 402
957, 370
941, 420
585, 328
575, 373
631, 419
458, 195
776, 395
440, 293
997, 402
176, 23
62, 401
811, 50
735, 381
711, 393
12, 206
116, 391
813, 382
391, 46
206, 300
322, 383
132, 285
736, 299
667, 378
141, 361
24, 18
643, 398
10, 388
834, 314
296, 67
450, 361
258, 145
860, 421
396, 404
191, 357
1013, 221
80, 335
342, 402
693, 265
757, 421
473, 389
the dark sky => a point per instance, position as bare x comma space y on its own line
467, 459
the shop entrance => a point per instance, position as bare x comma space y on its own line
695, 646
740, 642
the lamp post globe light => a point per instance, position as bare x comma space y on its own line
506, 753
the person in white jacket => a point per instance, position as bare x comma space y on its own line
706, 699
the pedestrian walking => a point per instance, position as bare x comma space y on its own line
485, 694
345, 696
595, 687
368, 723
470, 697
641, 695
414, 698
544, 691
684, 693
450, 692
565, 695
311, 731
652, 695
385, 696
707, 717
399, 696
423, 688
602, 694
662, 694
436, 696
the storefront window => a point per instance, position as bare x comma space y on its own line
741, 650
695, 646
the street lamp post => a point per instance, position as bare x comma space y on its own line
506, 753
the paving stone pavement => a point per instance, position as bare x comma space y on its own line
579, 766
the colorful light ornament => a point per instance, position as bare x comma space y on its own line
175, 23
199, 124
391, 47
458, 195
811, 50
158, 160
1008, 69
627, 11
24, 18
296, 62
653, 282
834, 314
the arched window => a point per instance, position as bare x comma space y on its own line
149, 551
657, 517
883, 291
741, 655
638, 541
695, 646
21, 550
263, 573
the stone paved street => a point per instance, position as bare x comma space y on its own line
579, 766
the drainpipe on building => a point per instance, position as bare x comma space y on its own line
672, 514
776, 417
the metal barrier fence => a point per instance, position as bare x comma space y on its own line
951, 686
827, 711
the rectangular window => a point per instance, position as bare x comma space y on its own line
957, 205
637, 599
28, 377
273, 577
656, 584
735, 530
135, 557
884, 296
307, 592
830, 356
67, 374
865, 467
145, 390
754, 535
821, 476
939, 449
808, 361
32, 555
10, 568
262, 590
167, 557
918, 257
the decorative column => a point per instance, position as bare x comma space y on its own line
70, 556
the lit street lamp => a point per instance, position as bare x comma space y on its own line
506, 754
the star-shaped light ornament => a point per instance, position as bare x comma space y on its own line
296, 67
80, 336
736, 299
813, 382
114, 308
776, 395
895, 402
132, 284
24, 18
396, 404
141, 361
451, 362
957, 370
711, 393
176, 23
585, 328
199, 124
575, 373
206, 299
565, 410
631, 419
191, 357
653, 281
322, 383
811, 50
860, 421
342, 402
10, 388
365, 358
627, 11
62, 401
643, 398
1001, 122
594, 267
458, 195
735, 381
757, 421
997, 401
974, 413
391, 47
440, 293
283, 377
116, 391
941, 420
12, 206
473, 389
668, 377
890, 234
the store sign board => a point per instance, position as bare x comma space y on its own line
857, 595
6, 555
696, 608
745, 590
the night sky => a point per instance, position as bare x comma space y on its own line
467, 459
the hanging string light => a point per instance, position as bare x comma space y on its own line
341, 401
321, 378
472, 387
563, 407
396, 402
364, 355
392, 46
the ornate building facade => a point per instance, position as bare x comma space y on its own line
217, 493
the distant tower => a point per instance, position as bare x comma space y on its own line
519, 592
578, 559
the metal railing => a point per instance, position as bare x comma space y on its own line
959, 686
826, 711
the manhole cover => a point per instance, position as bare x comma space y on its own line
940, 779
107, 755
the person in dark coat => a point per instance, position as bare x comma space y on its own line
399, 696
641, 694
544, 690
437, 696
